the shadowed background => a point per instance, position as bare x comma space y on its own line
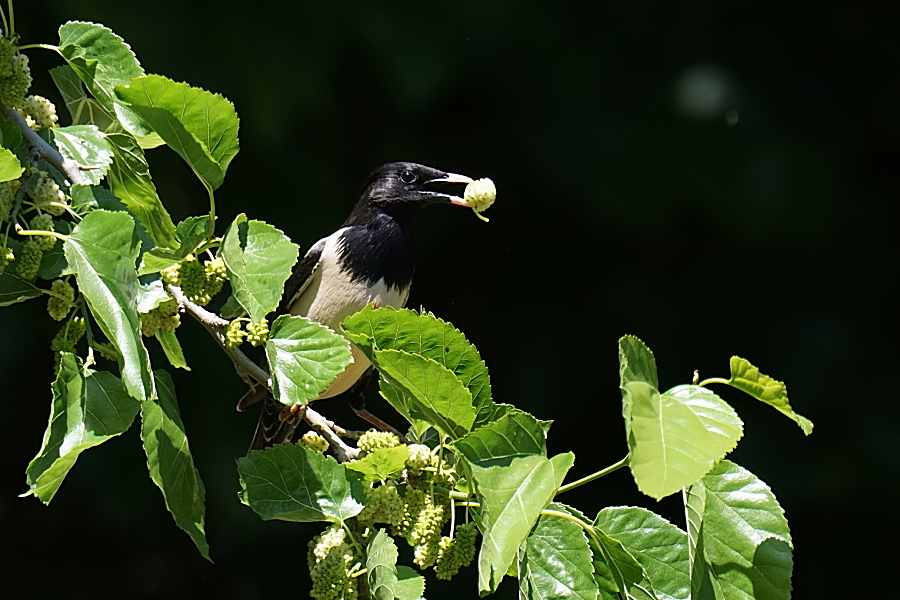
714, 178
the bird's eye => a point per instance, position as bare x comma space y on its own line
408, 177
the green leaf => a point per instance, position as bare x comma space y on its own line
304, 358
673, 438
10, 167
748, 379
84, 110
516, 434
740, 538
171, 464
293, 483
431, 388
259, 259
232, 309
87, 147
151, 295
129, 179
200, 126
557, 560
169, 342
10, 136
102, 250
102, 60
13, 288
512, 493
381, 566
410, 585
189, 234
628, 576
660, 547
423, 333
88, 409
381, 463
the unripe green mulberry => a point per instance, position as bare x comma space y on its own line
383, 505
68, 335
165, 317
14, 86
314, 441
426, 532
480, 195
171, 275
258, 333
216, 275
46, 192
457, 552
7, 52
234, 335
41, 111
372, 439
193, 281
6, 255
7, 198
44, 222
62, 300
330, 559
30, 259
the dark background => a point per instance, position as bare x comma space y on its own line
716, 178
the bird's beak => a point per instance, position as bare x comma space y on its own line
450, 178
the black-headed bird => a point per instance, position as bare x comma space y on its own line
369, 260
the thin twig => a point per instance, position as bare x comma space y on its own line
41, 149
342, 452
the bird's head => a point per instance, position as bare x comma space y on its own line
402, 188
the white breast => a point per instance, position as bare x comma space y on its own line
332, 296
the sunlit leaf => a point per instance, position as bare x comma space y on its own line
423, 333
102, 250
200, 126
83, 110
86, 146
557, 562
740, 539
88, 409
304, 358
431, 388
171, 464
293, 483
659, 547
673, 438
10, 167
748, 379
516, 434
172, 348
381, 566
410, 585
628, 576
381, 463
130, 181
259, 259
102, 60
512, 493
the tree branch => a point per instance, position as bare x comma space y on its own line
214, 324
41, 149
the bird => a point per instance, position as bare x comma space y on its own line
368, 260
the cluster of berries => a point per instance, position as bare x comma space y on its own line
8, 191
314, 441
39, 113
331, 560
62, 299
15, 75
200, 283
165, 317
46, 193
255, 333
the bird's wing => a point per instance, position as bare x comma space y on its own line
301, 276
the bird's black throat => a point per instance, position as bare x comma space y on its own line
379, 247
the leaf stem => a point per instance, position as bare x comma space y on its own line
212, 214
41, 46
44, 232
706, 382
5, 24
593, 476
12, 19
